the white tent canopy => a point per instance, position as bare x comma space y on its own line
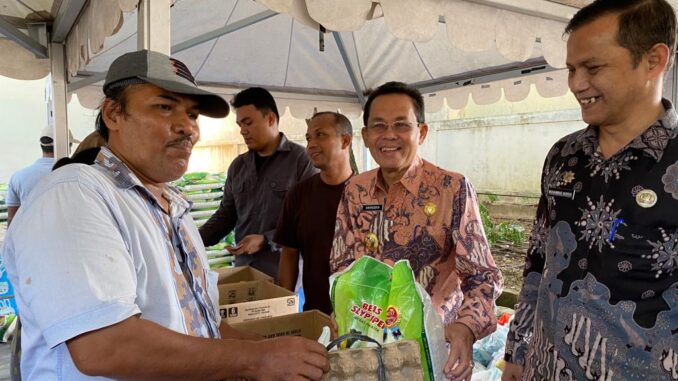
230, 45
449, 49
313, 54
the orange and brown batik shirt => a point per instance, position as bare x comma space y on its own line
431, 218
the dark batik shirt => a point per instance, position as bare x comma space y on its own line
600, 294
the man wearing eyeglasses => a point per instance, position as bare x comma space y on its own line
411, 209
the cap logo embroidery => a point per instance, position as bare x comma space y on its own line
182, 71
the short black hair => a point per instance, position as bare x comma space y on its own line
87, 156
642, 24
342, 126
47, 149
258, 97
397, 88
119, 96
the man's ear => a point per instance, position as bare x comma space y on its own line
270, 118
423, 131
346, 140
658, 59
111, 115
363, 132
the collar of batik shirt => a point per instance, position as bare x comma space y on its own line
124, 178
652, 141
410, 180
655, 139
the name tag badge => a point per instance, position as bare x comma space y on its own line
566, 193
373, 208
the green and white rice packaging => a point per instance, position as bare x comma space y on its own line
387, 304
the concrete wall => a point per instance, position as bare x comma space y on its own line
501, 154
501, 147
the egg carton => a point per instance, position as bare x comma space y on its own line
402, 362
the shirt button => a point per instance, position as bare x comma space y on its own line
273, 184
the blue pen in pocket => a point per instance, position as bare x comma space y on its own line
613, 229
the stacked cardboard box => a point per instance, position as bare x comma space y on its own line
250, 302
246, 294
308, 324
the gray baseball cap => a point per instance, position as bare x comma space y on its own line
145, 66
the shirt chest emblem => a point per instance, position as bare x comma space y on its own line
646, 198
430, 209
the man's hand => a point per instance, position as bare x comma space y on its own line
459, 364
512, 372
290, 358
250, 244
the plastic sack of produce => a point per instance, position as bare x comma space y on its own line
387, 304
490, 347
492, 374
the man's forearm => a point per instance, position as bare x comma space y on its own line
11, 211
228, 332
288, 268
137, 349
215, 228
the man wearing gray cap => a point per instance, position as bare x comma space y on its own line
121, 289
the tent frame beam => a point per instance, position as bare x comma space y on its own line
60, 100
482, 76
153, 26
93, 78
477, 77
285, 92
68, 14
25, 41
349, 68
230, 28
548, 10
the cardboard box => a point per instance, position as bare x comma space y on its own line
241, 274
259, 299
308, 324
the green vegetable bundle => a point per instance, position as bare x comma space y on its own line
205, 190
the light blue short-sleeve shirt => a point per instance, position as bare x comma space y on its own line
24, 180
93, 248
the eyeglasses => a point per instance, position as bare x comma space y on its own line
399, 126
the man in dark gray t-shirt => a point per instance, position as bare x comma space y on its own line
256, 183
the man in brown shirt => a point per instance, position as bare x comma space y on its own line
306, 224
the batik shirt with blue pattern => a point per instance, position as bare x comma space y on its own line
600, 293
